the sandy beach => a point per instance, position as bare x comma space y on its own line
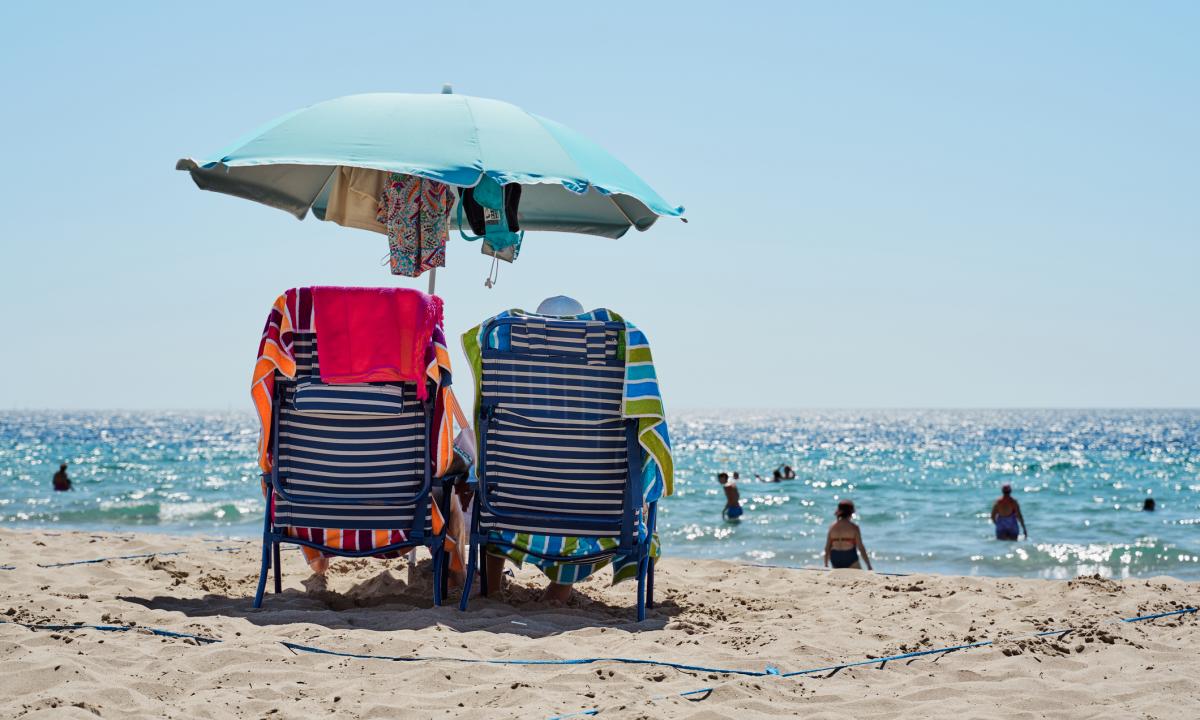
714, 614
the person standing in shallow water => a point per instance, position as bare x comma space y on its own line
62, 483
733, 498
1006, 513
844, 541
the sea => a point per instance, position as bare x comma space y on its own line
923, 482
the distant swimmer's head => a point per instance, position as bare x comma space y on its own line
736, 476
560, 306
1006, 489
722, 478
62, 467
1148, 505
845, 510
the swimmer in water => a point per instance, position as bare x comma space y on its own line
62, 483
1006, 513
733, 499
844, 541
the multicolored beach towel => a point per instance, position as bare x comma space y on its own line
292, 314
567, 573
642, 400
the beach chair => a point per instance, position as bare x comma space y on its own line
353, 469
556, 456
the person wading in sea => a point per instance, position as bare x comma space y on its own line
733, 498
844, 542
62, 483
1006, 513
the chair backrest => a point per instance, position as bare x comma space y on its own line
352, 456
556, 455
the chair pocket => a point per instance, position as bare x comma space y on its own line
350, 399
550, 418
539, 467
575, 449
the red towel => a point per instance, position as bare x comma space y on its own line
375, 334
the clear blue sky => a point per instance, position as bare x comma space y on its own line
893, 204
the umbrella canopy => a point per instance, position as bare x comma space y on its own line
570, 184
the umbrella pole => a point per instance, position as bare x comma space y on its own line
446, 90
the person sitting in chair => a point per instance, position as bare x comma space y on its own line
511, 545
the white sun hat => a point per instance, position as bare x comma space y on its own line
560, 306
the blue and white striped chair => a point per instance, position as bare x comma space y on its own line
556, 456
352, 461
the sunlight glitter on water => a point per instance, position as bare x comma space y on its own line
923, 482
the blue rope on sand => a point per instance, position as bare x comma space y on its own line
771, 670
103, 559
126, 557
115, 628
1158, 615
882, 661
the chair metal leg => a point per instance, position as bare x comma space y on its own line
472, 556
262, 572
441, 569
641, 589
437, 579
650, 584
483, 569
445, 574
278, 568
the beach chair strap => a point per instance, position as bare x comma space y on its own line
595, 337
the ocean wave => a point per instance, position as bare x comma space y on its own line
119, 514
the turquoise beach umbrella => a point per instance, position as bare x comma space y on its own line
569, 183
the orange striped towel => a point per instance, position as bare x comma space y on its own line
292, 312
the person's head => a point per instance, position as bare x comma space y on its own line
560, 306
62, 467
1148, 505
776, 474
787, 468
1006, 490
845, 510
736, 475
722, 477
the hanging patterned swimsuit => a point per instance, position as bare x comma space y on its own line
416, 212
